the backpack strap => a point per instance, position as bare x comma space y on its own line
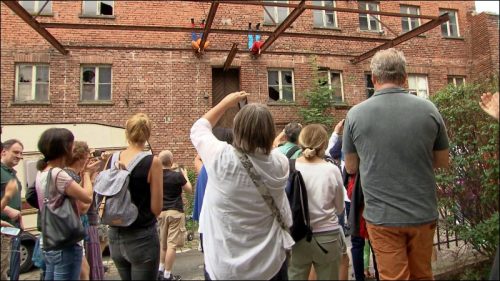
292, 151
136, 160
291, 164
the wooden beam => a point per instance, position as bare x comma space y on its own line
208, 25
86, 26
314, 7
402, 38
26, 17
230, 56
283, 26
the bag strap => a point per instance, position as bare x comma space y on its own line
292, 151
131, 165
47, 187
264, 192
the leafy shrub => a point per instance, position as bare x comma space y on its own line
469, 189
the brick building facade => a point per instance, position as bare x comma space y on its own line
109, 75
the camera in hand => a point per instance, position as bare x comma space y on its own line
97, 153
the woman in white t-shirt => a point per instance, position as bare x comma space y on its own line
325, 196
56, 145
242, 239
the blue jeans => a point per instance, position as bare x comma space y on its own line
135, 252
63, 264
358, 245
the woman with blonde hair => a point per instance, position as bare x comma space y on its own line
244, 222
135, 248
325, 197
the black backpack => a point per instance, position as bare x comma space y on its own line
297, 197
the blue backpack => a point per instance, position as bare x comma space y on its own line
112, 193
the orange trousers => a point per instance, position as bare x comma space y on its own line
403, 253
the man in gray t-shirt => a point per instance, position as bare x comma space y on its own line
396, 139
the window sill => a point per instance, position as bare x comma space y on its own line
43, 15
96, 17
281, 103
31, 102
379, 32
98, 103
454, 38
327, 28
341, 105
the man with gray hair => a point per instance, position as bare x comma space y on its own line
172, 221
396, 139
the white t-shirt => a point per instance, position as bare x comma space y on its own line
241, 237
325, 194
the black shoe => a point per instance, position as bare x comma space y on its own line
192, 20
160, 275
173, 277
249, 26
257, 26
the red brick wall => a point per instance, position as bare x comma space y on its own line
171, 85
484, 47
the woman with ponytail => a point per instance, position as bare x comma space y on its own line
56, 145
325, 197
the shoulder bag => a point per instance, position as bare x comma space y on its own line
61, 227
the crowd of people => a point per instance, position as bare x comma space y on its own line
376, 169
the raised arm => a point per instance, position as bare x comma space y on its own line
216, 112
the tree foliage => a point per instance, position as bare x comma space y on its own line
468, 191
319, 100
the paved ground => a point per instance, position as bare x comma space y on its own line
189, 263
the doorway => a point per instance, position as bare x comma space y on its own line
224, 83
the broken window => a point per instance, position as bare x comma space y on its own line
96, 83
366, 21
323, 18
332, 79
34, 7
97, 8
275, 15
32, 82
280, 84
456, 80
408, 23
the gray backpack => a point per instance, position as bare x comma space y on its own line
112, 194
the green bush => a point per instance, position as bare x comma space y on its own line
468, 191
319, 100
191, 225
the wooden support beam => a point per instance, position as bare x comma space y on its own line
208, 25
402, 38
86, 26
284, 25
26, 17
230, 56
314, 7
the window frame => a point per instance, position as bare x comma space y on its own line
37, 5
97, 9
329, 72
34, 70
274, 11
409, 19
97, 68
447, 23
280, 84
368, 89
419, 75
324, 14
368, 15
454, 79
